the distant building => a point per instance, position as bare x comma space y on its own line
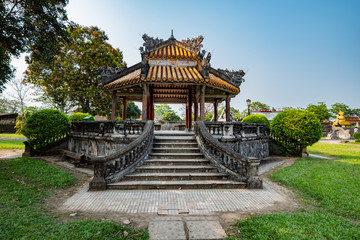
353, 120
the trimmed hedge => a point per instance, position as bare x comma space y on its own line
256, 118
79, 116
294, 130
45, 127
356, 135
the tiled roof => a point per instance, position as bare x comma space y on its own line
129, 79
168, 74
172, 52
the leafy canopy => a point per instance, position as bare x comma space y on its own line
335, 109
132, 111
320, 110
256, 118
30, 26
259, 106
295, 129
73, 76
46, 125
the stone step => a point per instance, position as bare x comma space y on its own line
191, 162
168, 139
175, 169
173, 133
176, 145
207, 184
175, 150
175, 176
175, 155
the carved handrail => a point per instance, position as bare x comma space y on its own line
227, 160
104, 128
113, 167
245, 131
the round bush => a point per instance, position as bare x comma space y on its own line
295, 129
45, 126
256, 118
75, 117
356, 136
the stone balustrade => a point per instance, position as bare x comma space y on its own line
239, 167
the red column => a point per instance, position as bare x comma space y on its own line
202, 103
215, 110
124, 108
196, 105
145, 115
114, 105
227, 108
190, 109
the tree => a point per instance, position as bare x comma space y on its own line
132, 111
259, 106
9, 106
160, 110
320, 110
335, 109
295, 129
73, 76
170, 116
20, 92
30, 26
256, 118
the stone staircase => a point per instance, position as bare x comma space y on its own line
175, 162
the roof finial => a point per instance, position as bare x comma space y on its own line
172, 34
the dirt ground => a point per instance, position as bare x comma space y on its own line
9, 152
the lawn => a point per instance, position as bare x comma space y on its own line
25, 183
11, 135
12, 144
334, 188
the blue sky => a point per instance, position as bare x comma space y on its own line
293, 52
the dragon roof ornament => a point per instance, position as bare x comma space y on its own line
194, 43
236, 77
149, 43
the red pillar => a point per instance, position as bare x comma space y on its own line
227, 108
145, 113
124, 108
196, 105
190, 109
215, 110
114, 105
202, 103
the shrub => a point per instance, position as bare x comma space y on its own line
356, 135
45, 127
78, 116
256, 118
295, 129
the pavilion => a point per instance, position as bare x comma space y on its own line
173, 71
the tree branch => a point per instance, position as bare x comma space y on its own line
12, 8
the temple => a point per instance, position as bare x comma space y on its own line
173, 71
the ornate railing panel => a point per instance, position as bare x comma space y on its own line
113, 167
246, 131
226, 159
104, 128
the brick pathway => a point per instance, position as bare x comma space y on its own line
164, 202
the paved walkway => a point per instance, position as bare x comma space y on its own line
164, 202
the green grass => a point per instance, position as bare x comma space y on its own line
334, 185
314, 225
11, 135
12, 144
25, 183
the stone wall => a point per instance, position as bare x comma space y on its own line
250, 148
98, 145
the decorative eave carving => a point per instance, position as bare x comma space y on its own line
233, 77
110, 74
194, 43
152, 44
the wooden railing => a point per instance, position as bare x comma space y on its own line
113, 167
103, 128
227, 160
246, 131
